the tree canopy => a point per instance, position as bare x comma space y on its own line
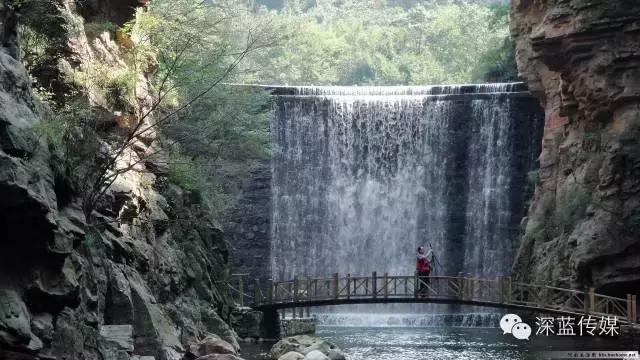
393, 42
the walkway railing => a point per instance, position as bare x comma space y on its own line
498, 292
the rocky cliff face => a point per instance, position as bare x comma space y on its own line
582, 59
148, 280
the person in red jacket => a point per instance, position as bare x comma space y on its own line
423, 267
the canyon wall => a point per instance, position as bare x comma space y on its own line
581, 58
146, 279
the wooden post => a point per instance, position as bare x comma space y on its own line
315, 288
374, 284
416, 284
386, 285
629, 311
336, 289
293, 315
308, 312
270, 291
348, 286
461, 286
301, 312
406, 286
241, 289
295, 290
634, 309
592, 300
257, 299
586, 300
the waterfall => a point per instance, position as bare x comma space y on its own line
361, 176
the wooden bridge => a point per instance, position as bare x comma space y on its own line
502, 292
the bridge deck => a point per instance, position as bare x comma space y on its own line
501, 292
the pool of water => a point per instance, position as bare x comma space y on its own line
389, 343
440, 343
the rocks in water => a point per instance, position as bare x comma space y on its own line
291, 355
305, 345
316, 355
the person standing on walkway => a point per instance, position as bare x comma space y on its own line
423, 267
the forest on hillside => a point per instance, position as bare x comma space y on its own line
395, 42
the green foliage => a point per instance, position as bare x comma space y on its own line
571, 206
185, 172
71, 133
218, 131
34, 47
353, 42
116, 83
219, 139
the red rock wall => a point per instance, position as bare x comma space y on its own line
581, 58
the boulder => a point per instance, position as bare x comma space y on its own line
291, 355
215, 325
316, 355
154, 333
336, 354
119, 306
306, 344
212, 344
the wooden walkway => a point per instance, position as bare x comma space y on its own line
500, 293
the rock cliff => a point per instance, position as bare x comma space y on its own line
581, 58
147, 281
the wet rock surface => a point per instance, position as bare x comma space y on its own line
581, 59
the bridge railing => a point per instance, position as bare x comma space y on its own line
378, 287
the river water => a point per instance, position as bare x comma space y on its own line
391, 343
446, 343
415, 343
